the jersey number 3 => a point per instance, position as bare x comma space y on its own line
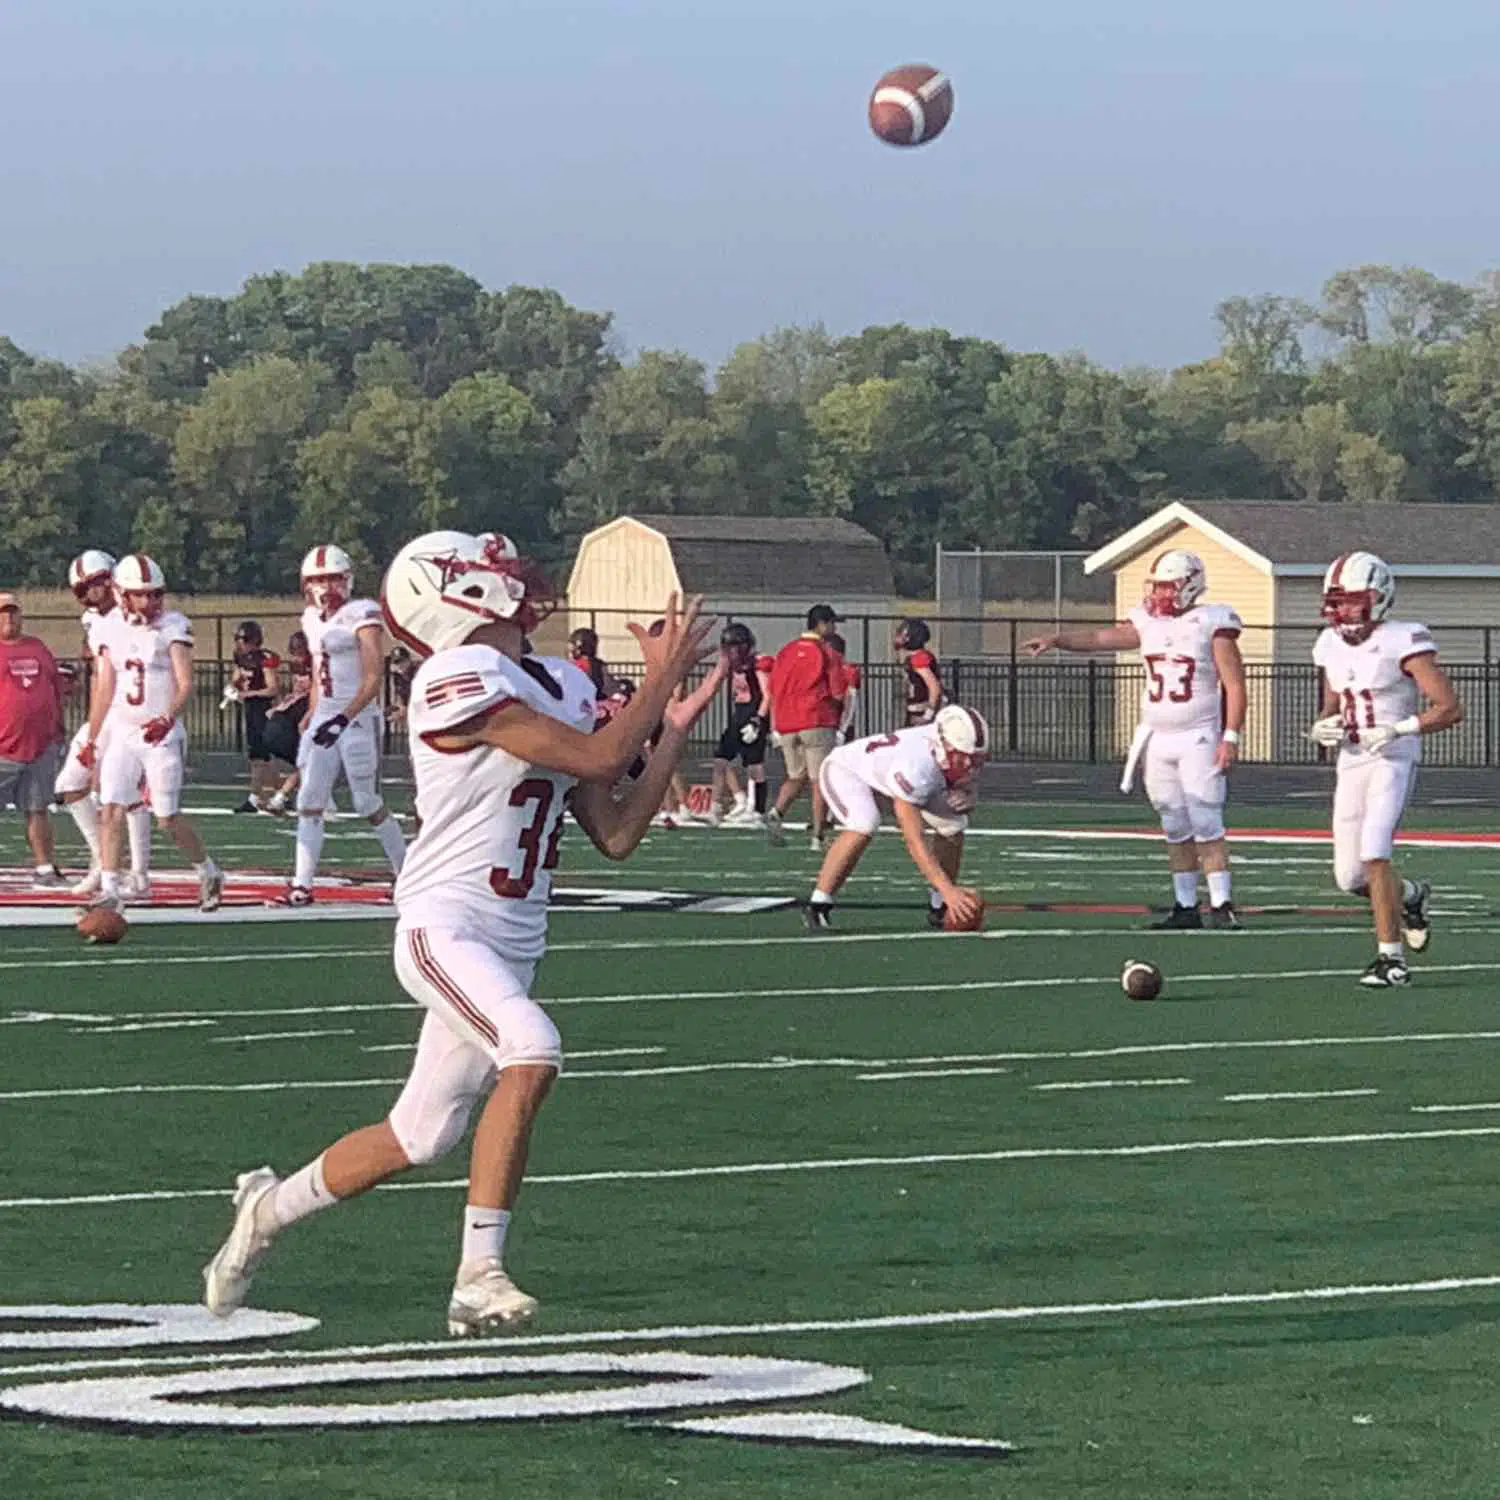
135, 688
532, 840
1182, 691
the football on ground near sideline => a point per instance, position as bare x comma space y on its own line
102, 924
1141, 981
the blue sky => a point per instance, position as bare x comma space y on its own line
704, 170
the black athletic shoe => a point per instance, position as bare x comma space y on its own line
936, 916
1180, 919
249, 805
299, 895
1224, 917
818, 916
1416, 926
1386, 973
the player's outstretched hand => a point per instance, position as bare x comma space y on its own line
1038, 644
674, 644
686, 709
965, 905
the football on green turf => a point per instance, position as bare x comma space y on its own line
1141, 981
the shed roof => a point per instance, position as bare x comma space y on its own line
775, 555
1290, 538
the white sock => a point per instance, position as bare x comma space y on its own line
1218, 887
821, 897
109, 883
138, 827
301, 1194
85, 813
934, 900
393, 841
484, 1233
309, 850
1185, 888
1392, 950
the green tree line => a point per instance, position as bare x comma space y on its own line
359, 403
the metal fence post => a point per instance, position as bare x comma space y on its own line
1013, 694
1093, 680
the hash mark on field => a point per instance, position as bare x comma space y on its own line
279, 1036
1300, 1094
1451, 1109
115, 1030
1112, 1083
927, 1073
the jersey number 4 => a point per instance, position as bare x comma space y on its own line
534, 838
1181, 668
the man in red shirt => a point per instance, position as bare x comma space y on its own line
31, 733
807, 692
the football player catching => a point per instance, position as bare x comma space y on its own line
342, 730
928, 773
91, 577
1191, 654
143, 655
1374, 672
749, 728
500, 742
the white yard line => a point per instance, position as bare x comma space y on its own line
1299, 1094
1111, 1083
1452, 1109
1141, 1152
885, 1323
280, 1036
928, 1073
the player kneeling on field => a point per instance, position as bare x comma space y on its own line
928, 773
1375, 671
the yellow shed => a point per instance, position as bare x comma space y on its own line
765, 570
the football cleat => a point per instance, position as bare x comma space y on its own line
819, 916
299, 895
937, 917
1180, 919
249, 805
775, 833
227, 1277
1386, 973
135, 889
211, 889
90, 885
102, 902
1416, 926
486, 1300
1225, 918
47, 880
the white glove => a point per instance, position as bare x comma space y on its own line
1328, 732
231, 695
1375, 740
751, 730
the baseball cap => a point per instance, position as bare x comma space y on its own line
9, 601
823, 614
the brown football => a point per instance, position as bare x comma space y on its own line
1141, 981
101, 924
951, 922
911, 105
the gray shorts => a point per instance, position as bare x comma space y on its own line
29, 783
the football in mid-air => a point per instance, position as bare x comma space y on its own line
952, 923
911, 105
101, 924
1141, 981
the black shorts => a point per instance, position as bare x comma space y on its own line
733, 747
280, 738
257, 711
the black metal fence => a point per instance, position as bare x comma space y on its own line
1082, 711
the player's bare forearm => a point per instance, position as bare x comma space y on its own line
909, 820
372, 671
616, 825
1099, 638
934, 688
182, 677
1444, 708
1231, 666
102, 694
1330, 705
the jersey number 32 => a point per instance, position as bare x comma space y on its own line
536, 843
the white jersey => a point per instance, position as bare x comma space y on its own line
490, 823
93, 623
902, 766
334, 644
1182, 678
145, 684
1372, 683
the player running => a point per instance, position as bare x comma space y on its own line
928, 773
143, 654
1191, 654
924, 687
342, 732
748, 731
500, 742
91, 577
1374, 672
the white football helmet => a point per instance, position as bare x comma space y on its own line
441, 587
1358, 592
963, 742
1175, 583
88, 571
327, 578
140, 588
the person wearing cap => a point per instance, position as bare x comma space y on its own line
807, 695
31, 733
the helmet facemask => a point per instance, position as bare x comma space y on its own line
328, 592
142, 606
1350, 613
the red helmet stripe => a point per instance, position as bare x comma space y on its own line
1338, 571
321, 560
978, 724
